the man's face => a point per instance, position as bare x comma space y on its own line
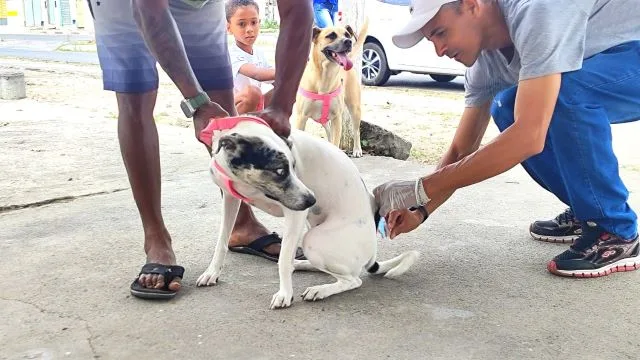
455, 32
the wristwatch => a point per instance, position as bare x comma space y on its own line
190, 105
422, 209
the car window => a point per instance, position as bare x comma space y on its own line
397, 2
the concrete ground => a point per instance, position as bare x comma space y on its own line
71, 243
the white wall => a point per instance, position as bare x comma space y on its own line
15, 14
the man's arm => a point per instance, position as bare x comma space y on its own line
161, 35
535, 103
257, 73
292, 51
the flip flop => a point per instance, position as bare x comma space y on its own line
256, 247
168, 271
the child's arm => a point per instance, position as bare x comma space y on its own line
257, 73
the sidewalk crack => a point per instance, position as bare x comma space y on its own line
57, 200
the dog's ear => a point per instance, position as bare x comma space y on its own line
287, 141
350, 31
316, 32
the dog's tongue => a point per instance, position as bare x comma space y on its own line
343, 60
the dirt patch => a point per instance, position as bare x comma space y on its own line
426, 117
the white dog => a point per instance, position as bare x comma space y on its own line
311, 183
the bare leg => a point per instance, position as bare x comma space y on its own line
247, 100
138, 138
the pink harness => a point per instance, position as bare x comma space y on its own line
326, 102
221, 124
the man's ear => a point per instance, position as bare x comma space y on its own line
316, 32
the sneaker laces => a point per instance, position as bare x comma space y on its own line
566, 217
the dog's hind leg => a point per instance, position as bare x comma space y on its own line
328, 250
304, 265
343, 284
230, 208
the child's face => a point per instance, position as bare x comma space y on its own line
245, 25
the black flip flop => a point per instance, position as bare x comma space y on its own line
168, 271
256, 247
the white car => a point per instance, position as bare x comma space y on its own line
381, 58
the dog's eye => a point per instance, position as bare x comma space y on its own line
281, 172
332, 36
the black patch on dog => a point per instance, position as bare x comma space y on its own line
375, 267
252, 153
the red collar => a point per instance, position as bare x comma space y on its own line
326, 101
222, 124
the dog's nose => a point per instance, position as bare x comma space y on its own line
348, 43
309, 201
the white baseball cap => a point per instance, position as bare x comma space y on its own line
421, 12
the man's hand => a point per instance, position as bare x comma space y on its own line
204, 114
403, 221
398, 195
277, 118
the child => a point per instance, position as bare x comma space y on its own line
251, 70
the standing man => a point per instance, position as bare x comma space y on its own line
325, 12
554, 75
188, 39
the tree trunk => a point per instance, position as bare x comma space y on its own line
352, 14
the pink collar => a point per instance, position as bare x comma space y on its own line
326, 101
222, 124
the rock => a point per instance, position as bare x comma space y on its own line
12, 85
378, 141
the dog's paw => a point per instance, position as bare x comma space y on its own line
314, 293
208, 278
281, 299
356, 153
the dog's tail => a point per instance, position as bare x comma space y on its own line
362, 36
396, 266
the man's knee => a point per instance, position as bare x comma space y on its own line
502, 108
136, 107
250, 97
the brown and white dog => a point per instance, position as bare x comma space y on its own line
329, 86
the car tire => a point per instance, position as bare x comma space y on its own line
375, 71
442, 78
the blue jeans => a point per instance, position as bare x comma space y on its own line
578, 164
325, 13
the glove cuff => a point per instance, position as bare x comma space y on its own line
421, 194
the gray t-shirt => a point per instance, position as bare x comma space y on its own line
550, 36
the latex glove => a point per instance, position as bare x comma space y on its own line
399, 195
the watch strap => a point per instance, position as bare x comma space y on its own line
198, 100
422, 210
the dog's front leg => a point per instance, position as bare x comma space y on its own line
327, 130
230, 207
294, 222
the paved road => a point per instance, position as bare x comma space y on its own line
43, 47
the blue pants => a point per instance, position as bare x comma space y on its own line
578, 164
325, 13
